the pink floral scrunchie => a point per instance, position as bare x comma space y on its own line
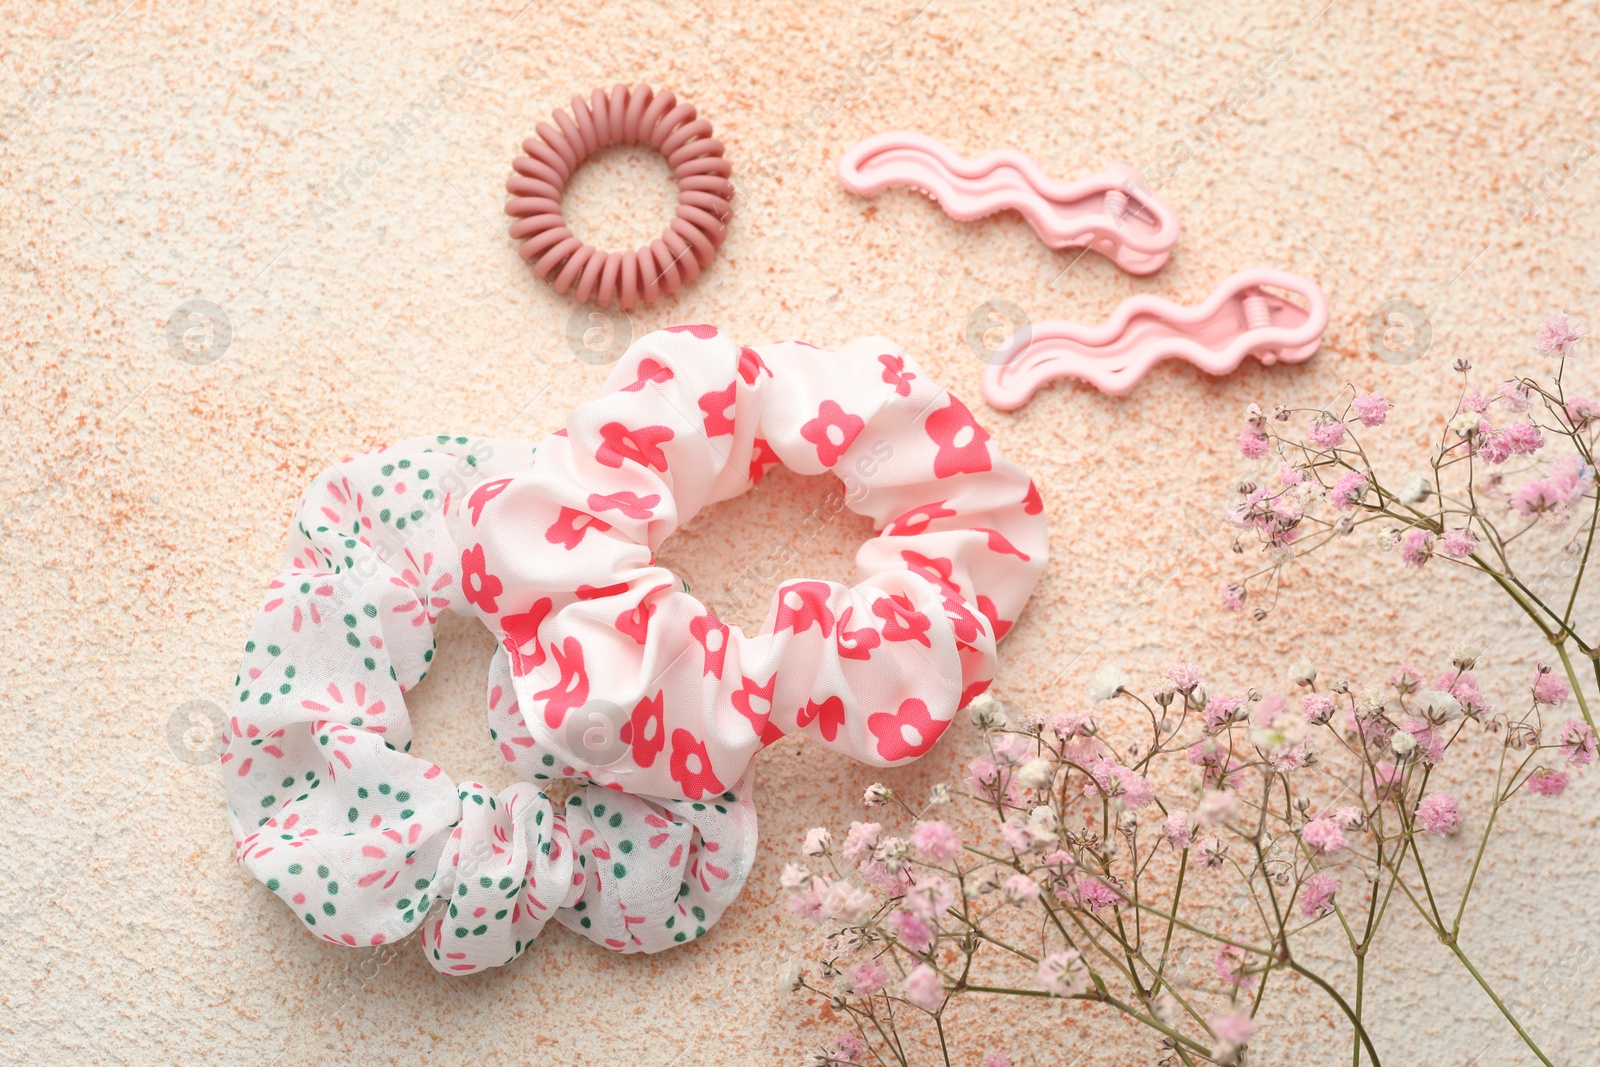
607, 669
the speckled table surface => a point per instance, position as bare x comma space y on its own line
330, 176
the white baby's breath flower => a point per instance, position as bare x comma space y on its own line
876, 794
1402, 743
1107, 682
789, 976
986, 712
1302, 672
794, 876
986, 881
1386, 537
1466, 654
1465, 424
939, 794
1439, 706
1036, 773
817, 841
1415, 489
847, 902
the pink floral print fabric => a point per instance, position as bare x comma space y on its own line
607, 670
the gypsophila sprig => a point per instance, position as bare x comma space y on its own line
1319, 806
1508, 481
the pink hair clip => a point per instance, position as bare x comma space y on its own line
1239, 318
1112, 212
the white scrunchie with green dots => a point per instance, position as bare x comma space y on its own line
360, 838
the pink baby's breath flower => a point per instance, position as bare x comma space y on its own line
1326, 432
860, 841
1232, 597
1095, 894
1059, 864
1416, 548
1069, 724
1324, 834
1559, 336
1582, 411
929, 898
1010, 749
867, 978
1565, 483
996, 1059
1316, 708
1429, 743
1371, 408
1316, 894
1232, 1035
1222, 710
1464, 687
1439, 814
1230, 963
1019, 889
846, 1049
1347, 491
1406, 678
1213, 853
1458, 544
913, 932
807, 903
1519, 439
1179, 831
1474, 402
878, 875
1252, 444
1547, 783
1217, 767
1183, 676
1107, 779
1216, 806
924, 989
1064, 974
935, 842
1289, 474
1578, 743
1513, 396
1549, 689
983, 778
1014, 832
1136, 789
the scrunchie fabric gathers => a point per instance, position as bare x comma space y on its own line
607, 670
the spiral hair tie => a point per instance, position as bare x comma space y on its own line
627, 116
607, 670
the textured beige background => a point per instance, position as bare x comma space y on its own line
158, 152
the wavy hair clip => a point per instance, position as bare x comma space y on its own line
1113, 213
1247, 315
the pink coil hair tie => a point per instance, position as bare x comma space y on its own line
627, 116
